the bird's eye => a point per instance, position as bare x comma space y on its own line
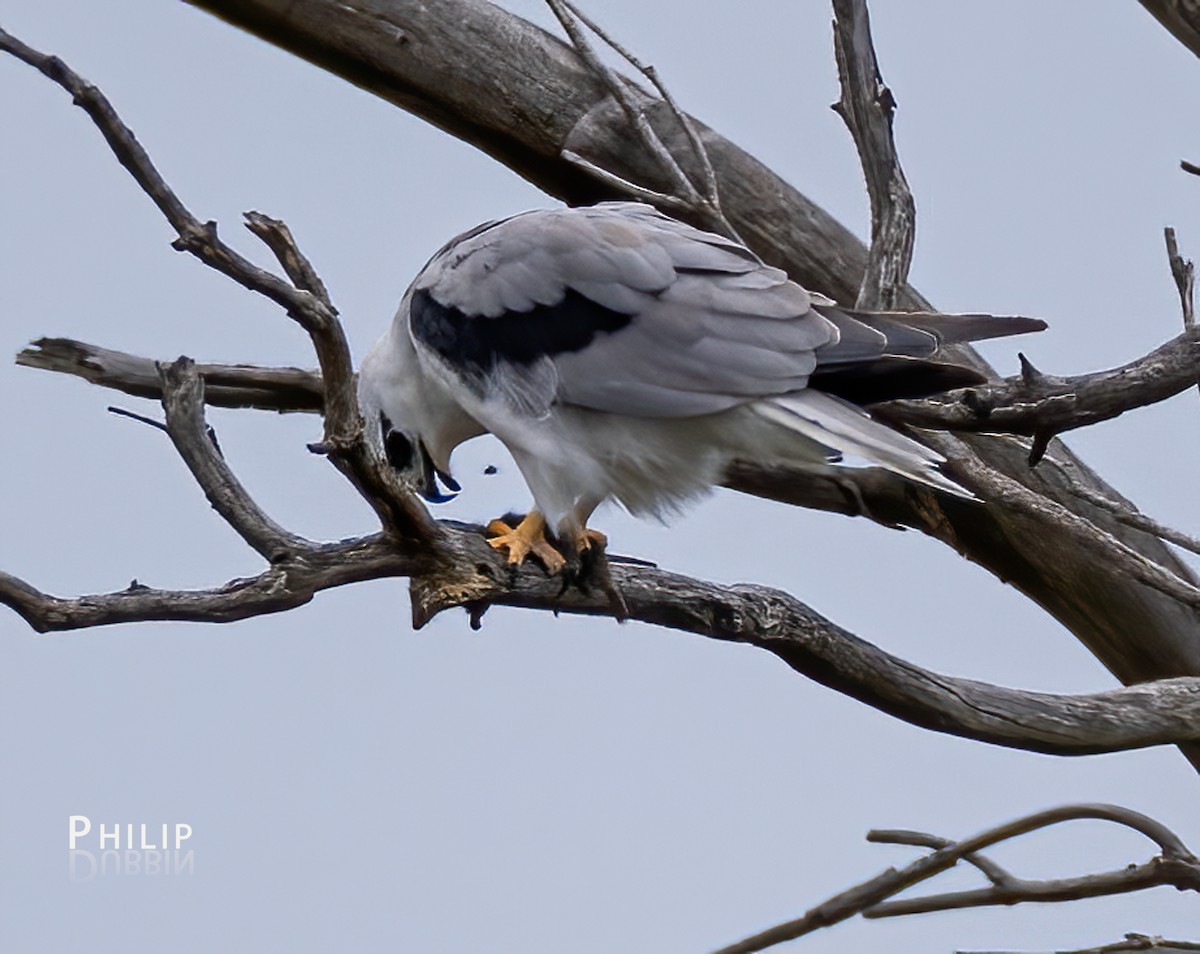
399, 449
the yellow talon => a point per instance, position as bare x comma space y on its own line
529, 536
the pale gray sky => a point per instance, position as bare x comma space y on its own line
547, 785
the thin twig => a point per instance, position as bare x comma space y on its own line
688, 196
712, 193
140, 418
997, 487
660, 199
1125, 513
919, 839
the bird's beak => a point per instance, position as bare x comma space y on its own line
431, 475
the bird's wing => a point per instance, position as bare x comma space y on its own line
616, 308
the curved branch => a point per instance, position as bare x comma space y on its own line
1175, 865
183, 401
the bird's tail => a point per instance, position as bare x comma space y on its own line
852, 433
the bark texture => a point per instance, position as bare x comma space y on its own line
1181, 17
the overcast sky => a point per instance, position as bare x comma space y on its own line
548, 785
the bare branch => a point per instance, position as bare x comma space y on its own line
1167, 710
1082, 532
1181, 17
396, 506
711, 194
1175, 865
278, 238
1137, 942
183, 401
1184, 273
283, 586
1044, 404
867, 107
1127, 514
225, 385
660, 199
706, 204
919, 839
464, 571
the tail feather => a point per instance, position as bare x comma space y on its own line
849, 430
953, 329
884, 355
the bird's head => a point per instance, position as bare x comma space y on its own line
408, 455
390, 400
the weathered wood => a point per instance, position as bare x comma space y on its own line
508, 87
1181, 17
226, 385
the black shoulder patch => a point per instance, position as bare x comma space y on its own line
477, 344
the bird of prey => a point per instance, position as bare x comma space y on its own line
621, 354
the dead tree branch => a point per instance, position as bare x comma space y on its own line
1173, 865
1138, 942
1181, 17
183, 401
524, 97
453, 566
1034, 403
1184, 272
225, 385
306, 303
685, 196
867, 107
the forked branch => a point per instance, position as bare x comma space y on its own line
1173, 865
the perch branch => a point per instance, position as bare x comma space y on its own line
1174, 865
454, 566
465, 571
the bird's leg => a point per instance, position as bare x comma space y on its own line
528, 536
